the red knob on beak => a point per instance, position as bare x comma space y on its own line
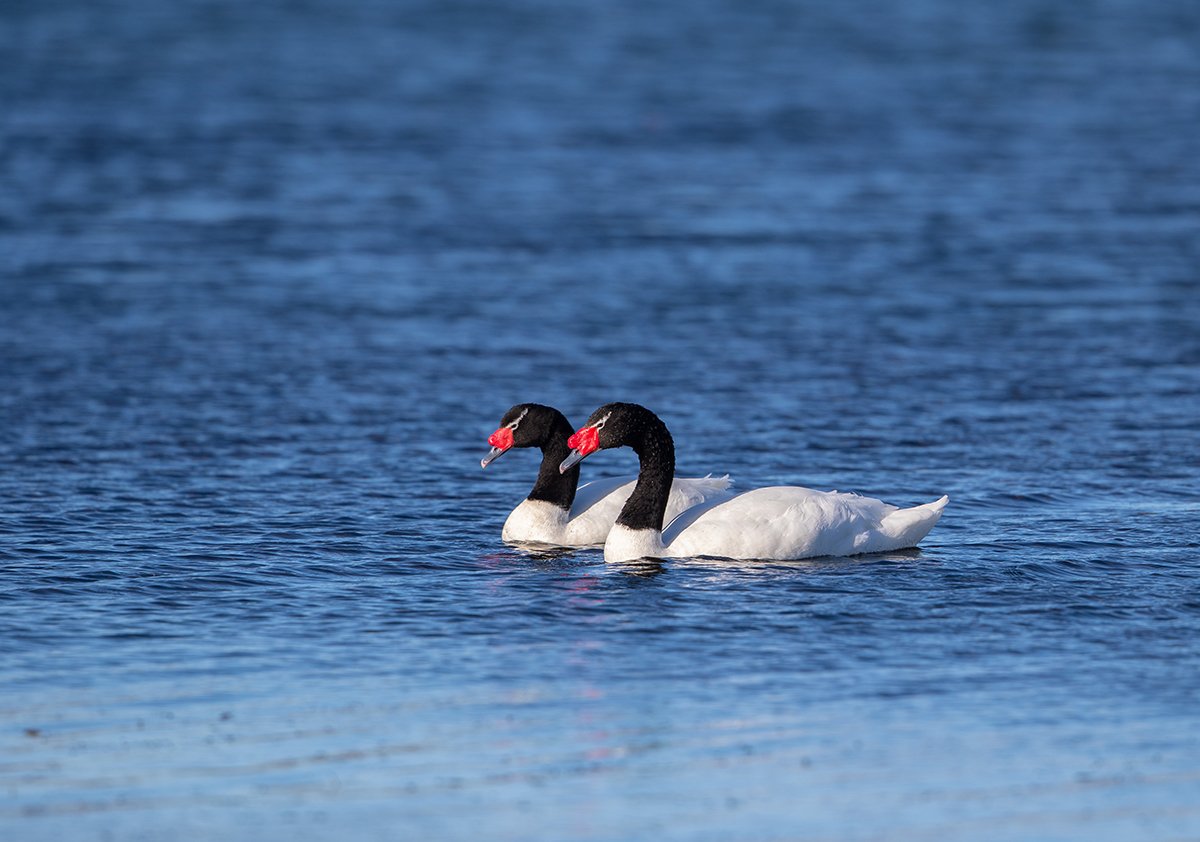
502, 438
586, 440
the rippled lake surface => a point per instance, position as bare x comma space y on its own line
270, 274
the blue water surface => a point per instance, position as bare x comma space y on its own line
270, 274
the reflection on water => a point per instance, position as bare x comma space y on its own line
535, 551
640, 566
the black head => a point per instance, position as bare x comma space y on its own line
526, 425
616, 425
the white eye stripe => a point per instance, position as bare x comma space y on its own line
516, 421
599, 425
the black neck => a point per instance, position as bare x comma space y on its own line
552, 486
655, 448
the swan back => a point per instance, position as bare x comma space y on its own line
790, 522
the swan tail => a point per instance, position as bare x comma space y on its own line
906, 527
710, 483
690, 491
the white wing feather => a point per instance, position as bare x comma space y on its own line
789, 522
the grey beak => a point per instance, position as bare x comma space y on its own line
493, 454
571, 461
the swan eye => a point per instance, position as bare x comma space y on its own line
512, 425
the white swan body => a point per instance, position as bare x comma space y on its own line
595, 510
780, 522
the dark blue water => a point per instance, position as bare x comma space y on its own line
270, 274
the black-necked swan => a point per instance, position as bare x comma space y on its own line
555, 512
780, 522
